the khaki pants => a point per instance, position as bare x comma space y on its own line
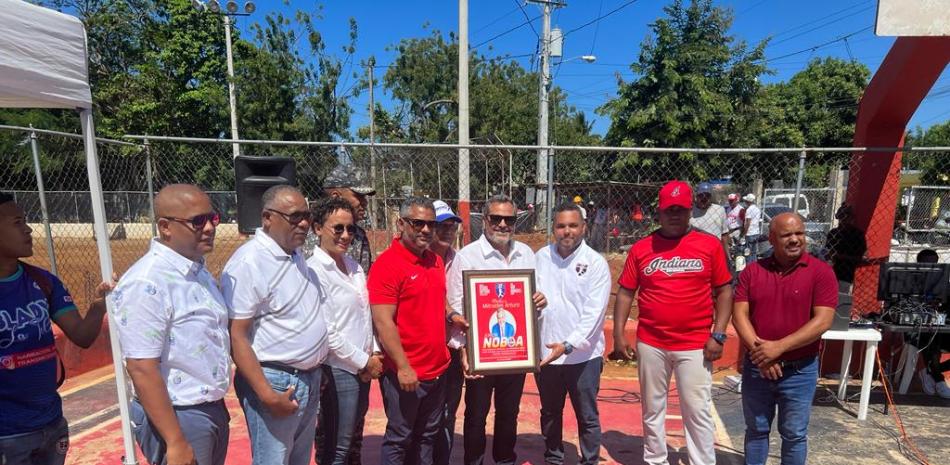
694, 385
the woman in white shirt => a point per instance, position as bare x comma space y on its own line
352, 362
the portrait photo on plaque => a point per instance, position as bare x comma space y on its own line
503, 331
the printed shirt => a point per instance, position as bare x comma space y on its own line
781, 302
735, 217
346, 304
577, 289
711, 220
416, 286
28, 397
282, 295
169, 308
753, 214
675, 278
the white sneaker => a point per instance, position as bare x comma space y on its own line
943, 390
927, 382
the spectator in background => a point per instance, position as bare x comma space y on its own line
579, 201
598, 233
735, 217
752, 227
710, 217
32, 427
347, 183
931, 375
173, 331
846, 247
344, 398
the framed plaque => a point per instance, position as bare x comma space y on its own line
503, 330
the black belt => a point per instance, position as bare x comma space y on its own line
287, 368
796, 364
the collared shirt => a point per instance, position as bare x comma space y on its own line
169, 308
577, 289
282, 294
781, 302
480, 255
346, 304
416, 286
675, 278
753, 214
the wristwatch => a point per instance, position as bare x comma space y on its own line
448, 318
719, 337
568, 348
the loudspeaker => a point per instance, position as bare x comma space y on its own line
253, 176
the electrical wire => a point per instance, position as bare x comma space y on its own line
505, 32
599, 18
525, 13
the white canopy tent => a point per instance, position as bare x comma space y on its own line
43, 56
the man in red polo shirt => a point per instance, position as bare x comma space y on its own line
783, 305
407, 296
678, 272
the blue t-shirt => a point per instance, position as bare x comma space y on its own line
28, 397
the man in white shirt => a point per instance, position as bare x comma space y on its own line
708, 216
577, 279
752, 230
735, 216
495, 250
172, 328
345, 396
278, 332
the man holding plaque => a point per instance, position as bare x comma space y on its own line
495, 250
678, 272
407, 297
572, 338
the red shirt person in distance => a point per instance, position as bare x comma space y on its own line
679, 272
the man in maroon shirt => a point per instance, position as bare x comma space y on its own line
783, 304
407, 297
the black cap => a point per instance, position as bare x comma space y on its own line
348, 176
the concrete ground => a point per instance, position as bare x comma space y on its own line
836, 436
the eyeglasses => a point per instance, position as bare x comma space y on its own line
197, 222
293, 218
447, 226
339, 228
418, 224
495, 220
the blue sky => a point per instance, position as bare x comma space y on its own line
796, 26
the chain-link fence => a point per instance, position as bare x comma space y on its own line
617, 186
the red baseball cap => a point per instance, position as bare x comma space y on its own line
676, 193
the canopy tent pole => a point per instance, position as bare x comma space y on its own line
105, 266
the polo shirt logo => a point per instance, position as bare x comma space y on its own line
673, 266
581, 268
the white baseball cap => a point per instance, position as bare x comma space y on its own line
749, 198
444, 212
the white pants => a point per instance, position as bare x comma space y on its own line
694, 385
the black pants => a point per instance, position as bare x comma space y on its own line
453, 397
582, 383
414, 420
478, 395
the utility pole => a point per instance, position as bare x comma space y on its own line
543, 178
372, 143
232, 98
464, 206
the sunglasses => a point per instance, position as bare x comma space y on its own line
418, 224
495, 220
197, 222
339, 228
293, 218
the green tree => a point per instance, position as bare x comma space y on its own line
934, 167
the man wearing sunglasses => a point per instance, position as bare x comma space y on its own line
278, 331
495, 250
407, 297
173, 331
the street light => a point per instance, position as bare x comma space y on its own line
230, 9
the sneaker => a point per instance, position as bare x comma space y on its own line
943, 390
927, 382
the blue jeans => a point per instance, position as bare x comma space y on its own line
792, 394
282, 440
582, 382
752, 241
205, 427
47, 446
344, 402
413, 420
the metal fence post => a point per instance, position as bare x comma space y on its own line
798, 184
50, 250
550, 193
151, 188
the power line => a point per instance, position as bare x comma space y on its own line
506, 32
595, 20
525, 13
494, 21
820, 26
822, 45
808, 23
600, 9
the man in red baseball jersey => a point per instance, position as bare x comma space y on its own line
679, 272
